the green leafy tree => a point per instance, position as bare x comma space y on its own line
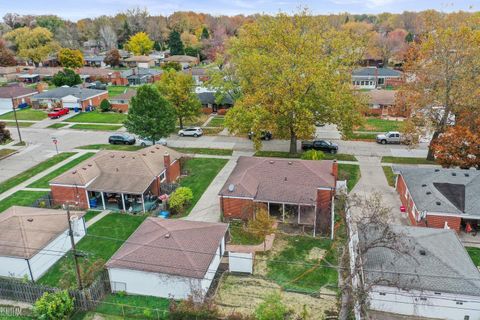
156, 46
180, 198
293, 69
313, 155
175, 43
150, 115
112, 58
205, 33
4, 133
54, 306
140, 44
172, 65
271, 308
191, 51
262, 224
70, 58
50, 22
179, 89
67, 77
105, 105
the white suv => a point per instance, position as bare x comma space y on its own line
193, 132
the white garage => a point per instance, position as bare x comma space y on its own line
6, 105
29, 236
14, 95
71, 102
169, 259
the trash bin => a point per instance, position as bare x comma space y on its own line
76, 109
93, 203
164, 214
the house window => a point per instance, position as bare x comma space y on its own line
423, 299
162, 176
459, 302
382, 293
438, 293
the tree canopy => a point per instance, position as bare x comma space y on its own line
112, 58
150, 115
175, 43
7, 58
70, 58
140, 44
67, 77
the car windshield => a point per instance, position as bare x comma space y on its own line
327, 143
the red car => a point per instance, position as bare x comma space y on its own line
58, 112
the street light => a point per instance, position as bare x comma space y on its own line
16, 120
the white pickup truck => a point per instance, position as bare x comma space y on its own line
390, 137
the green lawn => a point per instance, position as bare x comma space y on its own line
43, 182
285, 154
98, 117
211, 131
307, 258
90, 214
96, 250
364, 136
27, 174
387, 170
474, 255
5, 142
380, 125
21, 124
21, 198
99, 127
6, 152
406, 160
141, 307
201, 172
116, 90
111, 147
25, 114
57, 125
240, 235
349, 172
217, 122
209, 151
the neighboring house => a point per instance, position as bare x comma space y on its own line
125, 180
29, 236
299, 192
91, 74
140, 62
172, 259
209, 104
139, 76
440, 198
93, 45
429, 275
14, 96
373, 77
200, 75
8, 74
383, 103
158, 56
69, 97
122, 101
183, 60
32, 75
94, 61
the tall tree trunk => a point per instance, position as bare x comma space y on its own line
180, 119
293, 143
431, 152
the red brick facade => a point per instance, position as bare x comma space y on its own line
19, 101
173, 171
439, 222
95, 101
71, 195
235, 208
123, 107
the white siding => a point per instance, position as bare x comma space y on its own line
5, 105
425, 304
13, 267
240, 262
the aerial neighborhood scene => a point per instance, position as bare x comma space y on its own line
240, 160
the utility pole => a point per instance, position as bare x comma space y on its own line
16, 121
74, 250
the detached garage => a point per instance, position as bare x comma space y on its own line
168, 258
14, 96
33, 239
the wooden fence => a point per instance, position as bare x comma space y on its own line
84, 300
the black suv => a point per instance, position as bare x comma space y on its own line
121, 139
264, 135
322, 145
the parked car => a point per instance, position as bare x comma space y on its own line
147, 142
58, 112
264, 135
192, 132
121, 138
321, 145
390, 137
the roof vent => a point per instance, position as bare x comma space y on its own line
167, 235
429, 192
123, 157
437, 170
467, 174
84, 168
231, 187
438, 203
74, 171
112, 156
133, 157
423, 252
424, 185
116, 169
157, 147
454, 174
285, 179
152, 151
89, 164
30, 219
290, 162
144, 154
271, 161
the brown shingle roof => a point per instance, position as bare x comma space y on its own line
124, 96
176, 247
92, 71
140, 59
278, 180
119, 171
15, 91
180, 59
19, 230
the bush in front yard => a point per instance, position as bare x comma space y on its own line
180, 199
105, 105
54, 306
313, 155
272, 308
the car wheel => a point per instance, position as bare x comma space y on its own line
333, 151
181, 134
267, 138
125, 142
384, 141
143, 144
195, 135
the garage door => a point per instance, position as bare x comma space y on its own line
5, 105
71, 105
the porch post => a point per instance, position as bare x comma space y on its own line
143, 203
88, 198
315, 221
299, 214
123, 202
283, 212
103, 201
268, 208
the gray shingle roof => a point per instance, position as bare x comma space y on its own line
444, 267
209, 98
370, 72
436, 190
59, 93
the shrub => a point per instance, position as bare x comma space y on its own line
54, 306
222, 112
189, 309
313, 155
172, 65
271, 308
206, 110
180, 198
105, 105
4, 133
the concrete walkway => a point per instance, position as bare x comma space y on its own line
208, 206
97, 217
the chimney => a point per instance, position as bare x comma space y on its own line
335, 169
17, 70
30, 71
166, 163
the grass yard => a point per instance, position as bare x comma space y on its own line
211, 131
21, 124
91, 214
141, 307
21, 198
116, 90
380, 125
387, 170
111, 147
406, 160
474, 254
43, 182
363, 136
285, 154
197, 121
349, 172
6, 152
98, 127
57, 125
27, 174
209, 151
96, 249
240, 235
201, 172
217, 122
25, 114
98, 117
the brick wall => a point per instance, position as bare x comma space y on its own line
234, 208
120, 106
434, 221
61, 195
95, 101
173, 171
18, 101
324, 204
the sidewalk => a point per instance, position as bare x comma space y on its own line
98, 217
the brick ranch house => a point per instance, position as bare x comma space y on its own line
69, 97
118, 180
122, 101
14, 96
298, 192
439, 198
